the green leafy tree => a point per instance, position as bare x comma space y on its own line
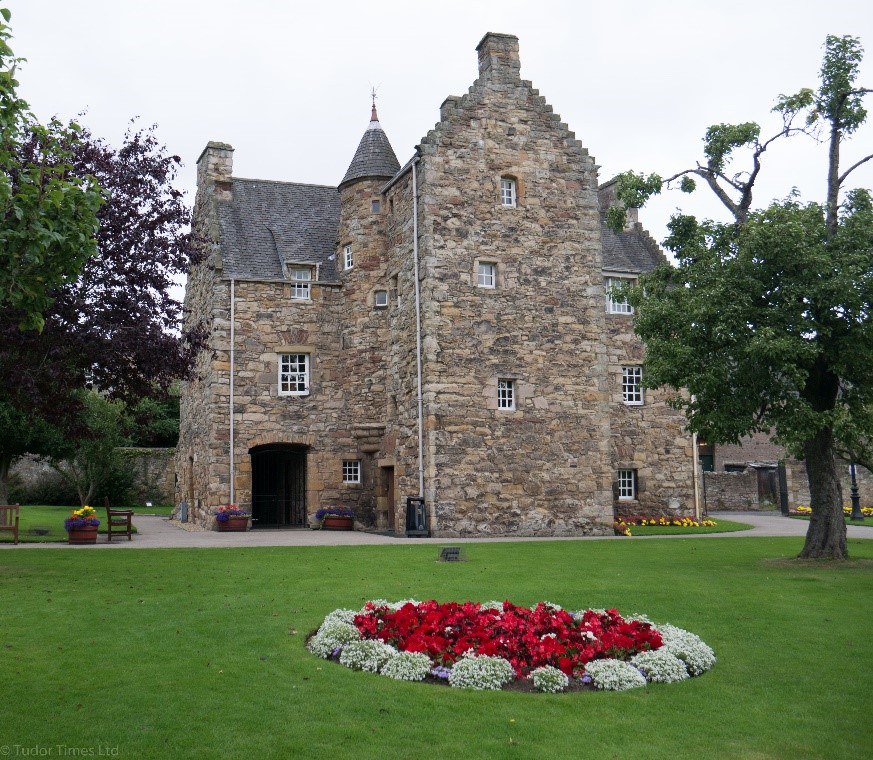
766, 321
87, 457
48, 216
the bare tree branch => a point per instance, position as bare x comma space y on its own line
852, 168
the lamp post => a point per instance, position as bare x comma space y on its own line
856, 498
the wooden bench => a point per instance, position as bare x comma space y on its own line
9, 514
119, 519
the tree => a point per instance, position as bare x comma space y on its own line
86, 458
116, 325
766, 321
47, 212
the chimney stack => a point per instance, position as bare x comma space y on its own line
498, 57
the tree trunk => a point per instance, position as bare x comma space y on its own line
826, 537
5, 463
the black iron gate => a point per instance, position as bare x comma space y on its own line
279, 486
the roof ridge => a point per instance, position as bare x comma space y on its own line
283, 182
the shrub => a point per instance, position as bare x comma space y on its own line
660, 666
614, 675
481, 672
549, 679
367, 655
408, 666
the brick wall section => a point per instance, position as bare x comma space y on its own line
726, 491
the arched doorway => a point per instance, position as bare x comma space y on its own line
279, 486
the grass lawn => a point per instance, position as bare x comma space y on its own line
200, 653
724, 526
31, 517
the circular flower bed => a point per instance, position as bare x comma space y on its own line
497, 644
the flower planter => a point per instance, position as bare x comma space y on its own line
86, 535
234, 525
337, 523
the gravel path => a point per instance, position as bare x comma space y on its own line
161, 533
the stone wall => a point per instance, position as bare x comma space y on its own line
755, 448
798, 485
726, 491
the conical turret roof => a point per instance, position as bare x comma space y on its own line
374, 158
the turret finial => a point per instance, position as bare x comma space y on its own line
373, 115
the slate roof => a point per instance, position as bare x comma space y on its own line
633, 251
268, 224
374, 157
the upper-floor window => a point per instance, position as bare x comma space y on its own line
293, 374
508, 194
348, 259
380, 299
301, 280
486, 274
616, 304
375, 205
505, 394
627, 485
632, 385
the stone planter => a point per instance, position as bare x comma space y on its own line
234, 525
337, 523
86, 535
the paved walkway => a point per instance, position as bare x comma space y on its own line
161, 533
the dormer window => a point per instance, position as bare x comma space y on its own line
348, 259
301, 283
508, 192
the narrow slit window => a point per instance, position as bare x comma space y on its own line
348, 258
508, 195
506, 394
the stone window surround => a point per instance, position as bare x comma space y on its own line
514, 175
295, 349
609, 281
523, 392
632, 393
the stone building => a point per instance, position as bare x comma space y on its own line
444, 329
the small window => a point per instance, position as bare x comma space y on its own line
300, 284
507, 192
380, 299
486, 275
627, 485
293, 374
616, 304
348, 259
351, 471
375, 205
506, 394
632, 385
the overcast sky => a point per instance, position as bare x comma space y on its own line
287, 83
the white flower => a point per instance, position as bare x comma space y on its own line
331, 636
549, 679
660, 666
367, 655
407, 666
481, 672
614, 675
688, 647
